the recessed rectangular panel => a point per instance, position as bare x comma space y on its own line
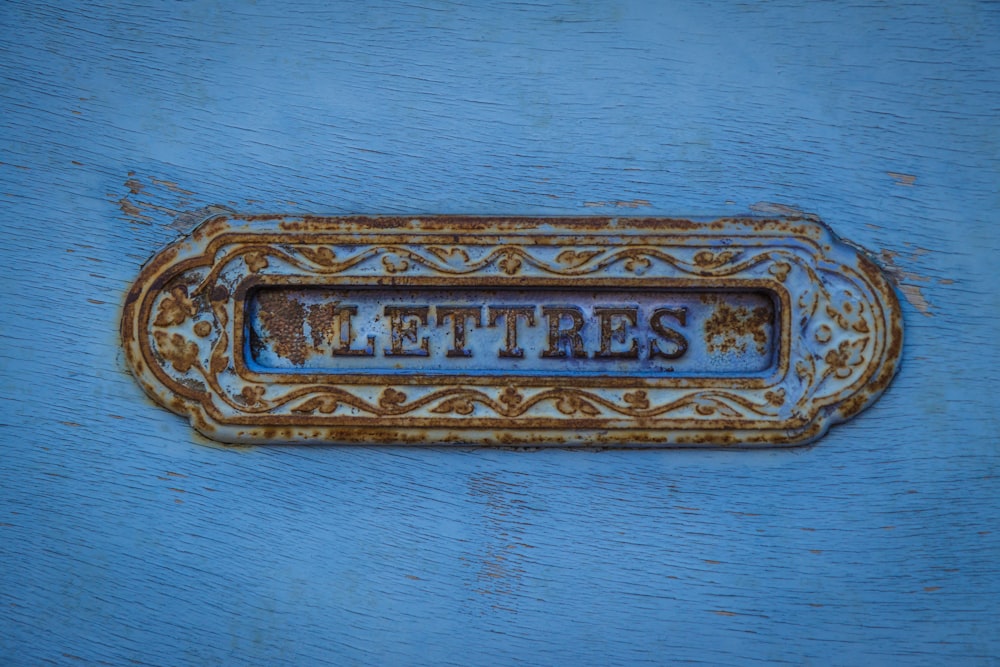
542, 331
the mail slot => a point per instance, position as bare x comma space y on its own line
577, 333
586, 331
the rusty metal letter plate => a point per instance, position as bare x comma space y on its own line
512, 331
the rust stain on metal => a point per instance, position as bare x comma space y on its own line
733, 328
283, 317
512, 331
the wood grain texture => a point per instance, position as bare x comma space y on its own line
125, 539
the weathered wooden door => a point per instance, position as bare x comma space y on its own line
125, 538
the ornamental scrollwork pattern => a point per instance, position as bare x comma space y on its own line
834, 330
835, 326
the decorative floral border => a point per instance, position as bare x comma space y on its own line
840, 319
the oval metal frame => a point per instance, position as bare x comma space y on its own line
839, 318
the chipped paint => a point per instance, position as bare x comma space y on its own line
513, 331
916, 298
149, 198
905, 280
618, 203
774, 208
906, 180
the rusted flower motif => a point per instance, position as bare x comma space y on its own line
511, 398
395, 265
175, 308
324, 404
707, 259
255, 261
251, 395
322, 255
180, 352
775, 398
391, 398
637, 263
849, 319
569, 404
637, 399
510, 264
846, 357
460, 404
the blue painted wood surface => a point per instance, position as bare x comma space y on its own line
125, 538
